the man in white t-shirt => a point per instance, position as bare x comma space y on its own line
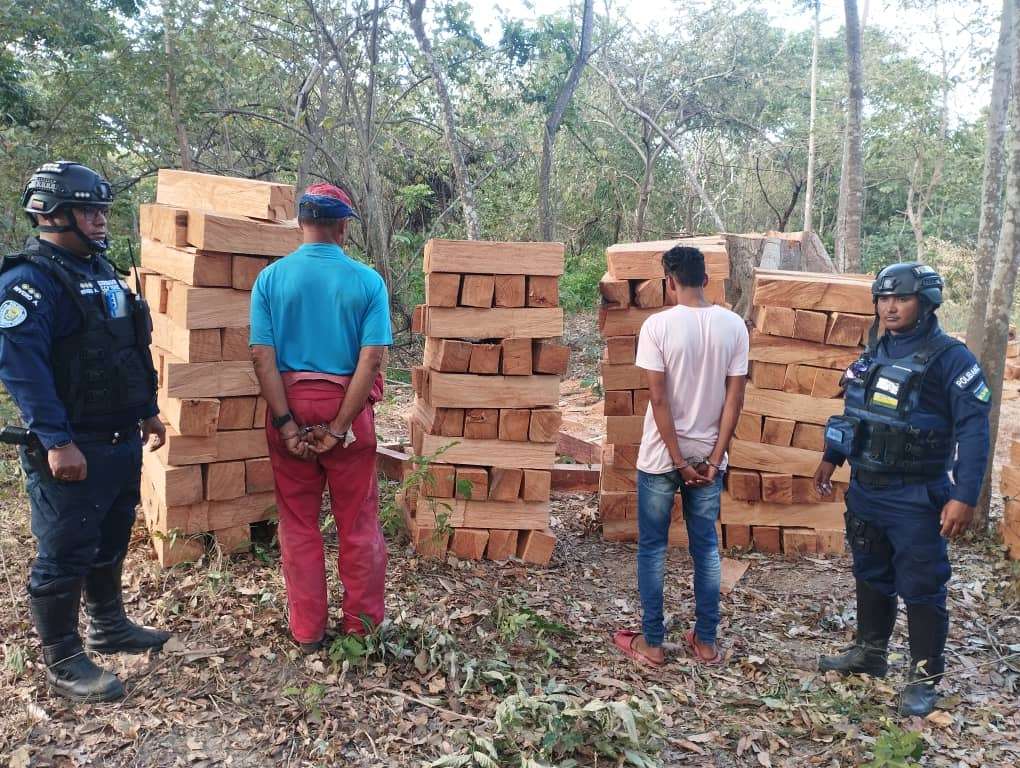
696, 357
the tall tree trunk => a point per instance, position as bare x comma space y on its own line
1004, 277
854, 187
183, 144
546, 217
809, 192
991, 189
415, 9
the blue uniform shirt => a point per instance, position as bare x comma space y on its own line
954, 387
318, 307
35, 312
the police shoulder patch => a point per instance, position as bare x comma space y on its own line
12, 314
982, 392
967, 377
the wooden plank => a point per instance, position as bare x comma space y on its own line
550, 357
743, 484
233, 540
235, 234
737, 536
458, 390
223, 379
236, 413
618, 477
810, 326
847, 330
194, 417
428, 542
623, 377
810, 437
768, 375
489, 453
505, 515
732, 572
442, 289
800, 379
785, 405
767, 539
640, 401
821, 515
440, 481
617, 506
800, 290
621, 350
800, 541
192, 307
224, 480
469, 543
649, 293
777, 321
514, 424
536, 547
749, 426
624, 429
189, 265
618, 403
155, 290
543, 291
497, 323
497, 258
625, 322
777, 488
418, 319
1009, 482
578, 449
772, 349
615, 293
536, 485
228, 194
477, 291
447, 422
831, 542
447, 355
545, 425
502, 545
484, 358
773, 458
472, 483
505, 483
175, 486
233, 343
804, 492
481, 423
510, 291
165, 223
516, 357
244, 270
258, 476
827, 384
191, 346
574, 477
777, 431
180, 450
641, 261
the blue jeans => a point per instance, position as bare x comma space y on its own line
701, 511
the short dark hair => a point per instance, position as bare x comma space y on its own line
686, 265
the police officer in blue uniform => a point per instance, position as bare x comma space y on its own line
74, 356
915, 431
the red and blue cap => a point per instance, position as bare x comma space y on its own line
326, 201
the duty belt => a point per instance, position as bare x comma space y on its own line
892, 479
110, 436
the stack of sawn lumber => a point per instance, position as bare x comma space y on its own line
203, 243
1009, 486
633, 289
808, 328
486, 419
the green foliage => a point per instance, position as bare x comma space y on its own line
896, 748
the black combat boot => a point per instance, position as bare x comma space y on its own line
928, 626
110, 631
876, 617
69, 671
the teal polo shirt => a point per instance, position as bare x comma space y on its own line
318, 307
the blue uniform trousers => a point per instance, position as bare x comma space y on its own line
81, 525
903, 552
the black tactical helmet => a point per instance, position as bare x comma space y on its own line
65, 184
909, 278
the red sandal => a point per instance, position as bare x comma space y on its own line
694, 644
624, 640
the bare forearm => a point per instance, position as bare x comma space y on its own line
663, 415
369, 365
732, 407
270, 381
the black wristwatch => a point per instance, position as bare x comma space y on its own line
279, 421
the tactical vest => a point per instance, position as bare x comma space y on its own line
883, 429
104, 369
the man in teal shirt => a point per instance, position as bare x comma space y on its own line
320, 325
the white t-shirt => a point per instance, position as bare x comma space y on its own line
697, 348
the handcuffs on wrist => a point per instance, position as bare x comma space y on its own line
345, 439
696, 461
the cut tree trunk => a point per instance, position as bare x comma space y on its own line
854, 166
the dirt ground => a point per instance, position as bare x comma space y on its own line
231, 690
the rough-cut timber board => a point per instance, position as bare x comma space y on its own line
442, 289
502, 545
258, 476
174, 485
773, 458
189, 265
180, 450
623, 377
460, 390
234, 343
615, 293
536, 547
624, 322
506, 515
775, 349
489, 453
620, 350
550, 357
822, 515
194, 417
495, 258
235, 234
224, 480
642, 261
624, 429
786, 405
164, 223
202, 345
244, 270
576, 477
192, 307
1009, 482
806, 291
469, 543
578, 449
497, 323
224, 379
732, 571
239, 197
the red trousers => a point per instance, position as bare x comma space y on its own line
354, 496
